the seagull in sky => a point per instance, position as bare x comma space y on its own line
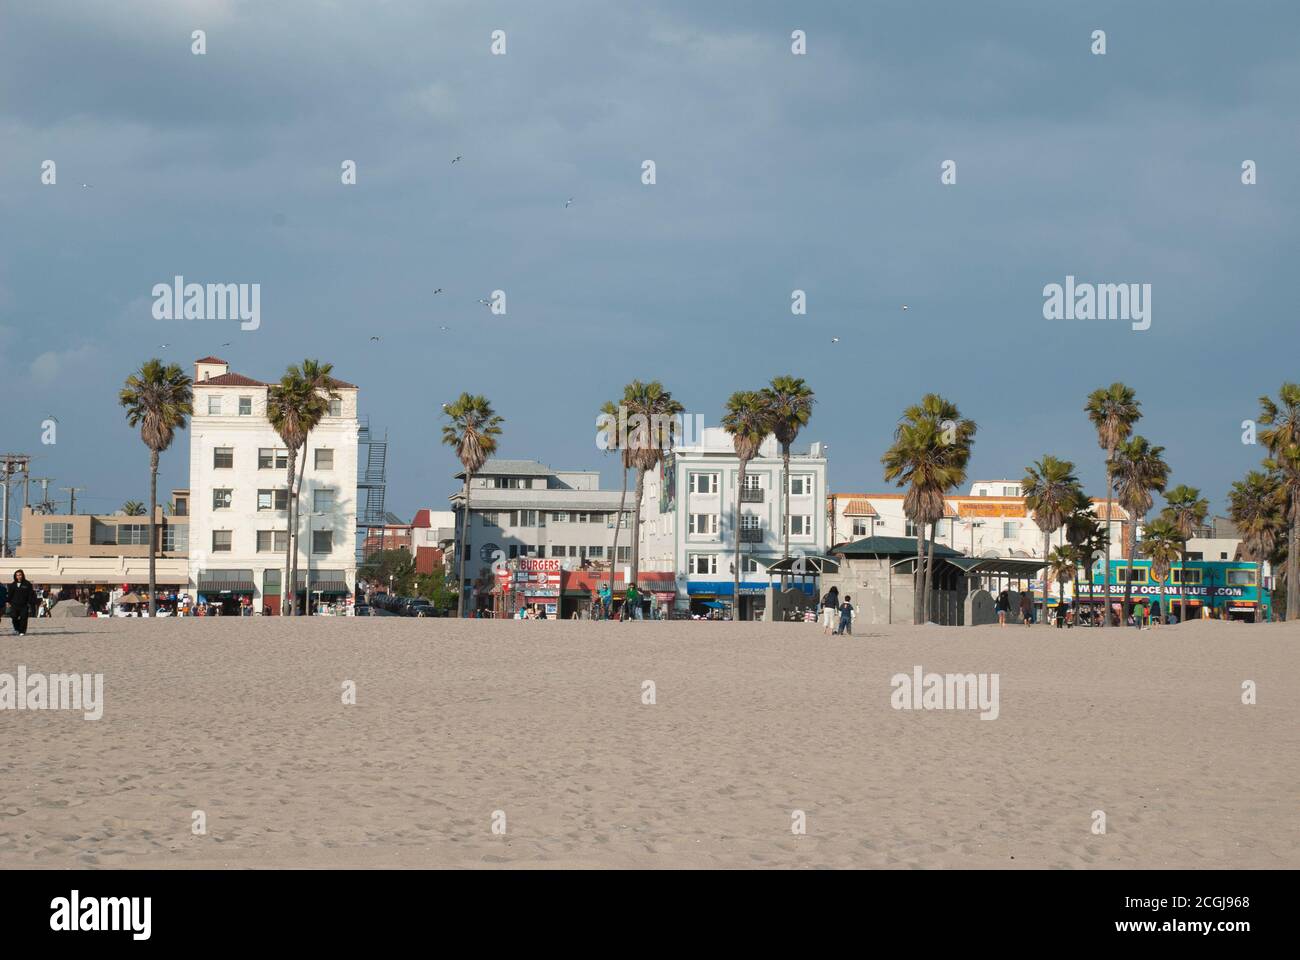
486, 303
905, 307
458, 159
438, 291
835, 339
375, 338
568, 203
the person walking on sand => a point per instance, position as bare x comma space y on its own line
606, 602
22, 597
830, 604
846, 617
631, 603
1002, 605
1027, 609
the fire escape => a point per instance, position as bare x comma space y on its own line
372, 458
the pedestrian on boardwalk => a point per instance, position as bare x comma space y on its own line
22, 598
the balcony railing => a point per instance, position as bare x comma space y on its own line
751, 494
751, 535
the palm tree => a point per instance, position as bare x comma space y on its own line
931, 449
1060, 568
1257, 505
1113, 410
1051, 491
472, 430
616, 439
789, 404
1186, 509
1086, 536
1163, 544
293, 406
748, 421
133, 508
1139, 471
652, 417
317, 376
157, 399
1282, 438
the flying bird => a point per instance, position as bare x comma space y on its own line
458, 159
568, 203
226, 344
86, 185
835, 339
443, 328
375, 338
486, 303
904, 306
438, 291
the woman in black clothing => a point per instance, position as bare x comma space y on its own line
22, 600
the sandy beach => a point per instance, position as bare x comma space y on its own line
544, 722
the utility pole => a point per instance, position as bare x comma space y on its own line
72, 497
44, 506
10, 464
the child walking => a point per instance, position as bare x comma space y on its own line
846, 617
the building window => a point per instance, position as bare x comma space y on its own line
245, 406
558, 551
181, 508
527, 518
223, 458
336, 406
322, 500
221, 541
751, 481
800, 525
1130, 574
1010, 529
704, 523
704, 483
624, 554
560, 516
1188, 577
909, 529
269, 458
176, 538
273, 499
800, 485
514, 551
1010, 491
508, 483
58, 533
1241, 578
214, 405
221, 498
324, 459
133, 534
860, 527
489, 518
322, 541
596, 553
272, 541
270, 582
703, 563
748, 565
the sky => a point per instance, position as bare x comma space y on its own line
774, 172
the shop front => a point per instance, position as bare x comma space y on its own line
325, 590
225, 592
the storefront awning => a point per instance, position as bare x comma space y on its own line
226, 581
803, 565
324, 582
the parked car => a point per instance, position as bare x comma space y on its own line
361, 610
422, 608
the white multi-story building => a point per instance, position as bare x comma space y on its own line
992, 521
239, 495
688, 521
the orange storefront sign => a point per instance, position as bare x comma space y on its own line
970, 509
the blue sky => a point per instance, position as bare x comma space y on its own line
774, 172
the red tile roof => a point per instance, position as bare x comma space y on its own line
421, 520
209, 360
230, 380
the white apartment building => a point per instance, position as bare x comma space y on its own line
239, 495
688, 522
991, 521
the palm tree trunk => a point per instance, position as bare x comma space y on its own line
1293, 561
295, 545
618, 522
1047, 549
1130, 539
785, 470
460, 559
929, 583
287, 594
636, 540
918, 584
735, 567
153, 509
1110, 489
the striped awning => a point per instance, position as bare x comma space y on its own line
860, 508
226, 581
